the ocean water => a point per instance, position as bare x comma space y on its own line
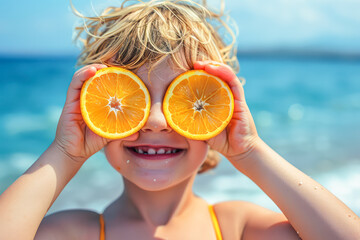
307, 109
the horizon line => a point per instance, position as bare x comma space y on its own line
256, 53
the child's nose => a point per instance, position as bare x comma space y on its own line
156, 121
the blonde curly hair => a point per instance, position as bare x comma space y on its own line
147, 32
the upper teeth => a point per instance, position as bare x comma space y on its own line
161, 151
152, 151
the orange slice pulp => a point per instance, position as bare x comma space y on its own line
198, 105
114, 103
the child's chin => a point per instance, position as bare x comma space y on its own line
155, 184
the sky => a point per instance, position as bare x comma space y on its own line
44, 27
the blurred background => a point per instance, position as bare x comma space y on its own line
300, 59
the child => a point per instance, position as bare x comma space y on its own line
158, 41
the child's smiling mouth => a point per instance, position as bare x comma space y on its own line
154, 152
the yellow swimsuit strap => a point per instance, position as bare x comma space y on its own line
212, 214
215, 223
102, 227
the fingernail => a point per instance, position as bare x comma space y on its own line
215, 64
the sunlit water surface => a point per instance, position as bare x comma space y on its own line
308, 110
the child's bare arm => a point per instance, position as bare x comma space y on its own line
312, 210
24, 204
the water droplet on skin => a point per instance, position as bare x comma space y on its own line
154, 179
315, 188
127, 161
300, 183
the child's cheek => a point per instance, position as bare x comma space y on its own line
198, 151
113, 155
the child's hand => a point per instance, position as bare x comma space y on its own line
240, 136
73, 137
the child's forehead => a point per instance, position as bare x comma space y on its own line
163, 71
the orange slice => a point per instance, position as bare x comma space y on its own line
198, 105
114, 103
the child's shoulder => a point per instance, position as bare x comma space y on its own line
70, 224
252, 221
241, 209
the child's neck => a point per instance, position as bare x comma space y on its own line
158, 207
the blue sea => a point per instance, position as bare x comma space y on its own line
306, 108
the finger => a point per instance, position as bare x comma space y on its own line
199, 65
85, 73
78, 79
93, 136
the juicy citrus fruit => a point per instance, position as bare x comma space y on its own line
115, 103
198, 105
